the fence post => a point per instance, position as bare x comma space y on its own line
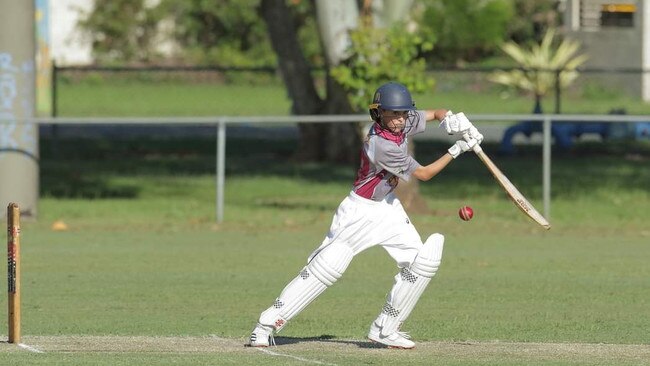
54, 95
546, 167
221, 168
558, 91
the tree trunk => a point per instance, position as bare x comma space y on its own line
343, 140
293, 66
295, 71
337, 142
538, 104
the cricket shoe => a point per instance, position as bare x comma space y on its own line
394, 340
262, 336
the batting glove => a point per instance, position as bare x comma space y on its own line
461, 146
456, 124
474, 134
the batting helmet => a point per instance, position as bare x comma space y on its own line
391, 96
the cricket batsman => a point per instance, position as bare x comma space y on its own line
371, 215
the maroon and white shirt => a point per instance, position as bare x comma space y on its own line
385, 159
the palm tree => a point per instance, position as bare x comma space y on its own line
541, 65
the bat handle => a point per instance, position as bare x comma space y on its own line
477, 148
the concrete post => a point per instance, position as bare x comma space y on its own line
19, 171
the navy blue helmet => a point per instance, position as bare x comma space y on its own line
391, 96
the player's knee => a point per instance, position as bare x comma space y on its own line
330, 263
428, 260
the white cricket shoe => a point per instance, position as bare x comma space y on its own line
394, 340
262, 336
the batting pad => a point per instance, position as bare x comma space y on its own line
410, 284
323, 270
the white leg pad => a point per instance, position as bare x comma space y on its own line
322, 271
410, 284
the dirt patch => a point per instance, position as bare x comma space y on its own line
617, 353
126, 344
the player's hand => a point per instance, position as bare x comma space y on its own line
461, 146
474, 134
456, 124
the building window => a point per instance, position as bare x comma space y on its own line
596, 14
617, 15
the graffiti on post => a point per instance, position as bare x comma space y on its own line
16, 107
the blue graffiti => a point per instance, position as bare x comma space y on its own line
16, 106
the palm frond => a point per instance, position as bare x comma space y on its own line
539, 64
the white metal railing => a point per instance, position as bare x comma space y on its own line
221, 121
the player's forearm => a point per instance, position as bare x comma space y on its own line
427, 172
435, 114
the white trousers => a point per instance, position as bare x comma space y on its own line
357, 225
360, 223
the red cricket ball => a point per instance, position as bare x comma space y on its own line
466, 213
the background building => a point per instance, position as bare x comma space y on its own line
68, 45
615, 35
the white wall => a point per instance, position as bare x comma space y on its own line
613, 47
67, 44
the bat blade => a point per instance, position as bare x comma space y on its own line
517, 198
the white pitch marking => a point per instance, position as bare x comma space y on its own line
294, 357
30, 348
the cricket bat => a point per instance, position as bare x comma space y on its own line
519, 200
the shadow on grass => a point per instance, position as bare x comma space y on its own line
326, 338
88, 167
285, 205
586, 168
75, 185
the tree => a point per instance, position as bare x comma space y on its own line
318, 142
346, 90
466, 30
541, 65
359, 56
378, 55
116, 37
534, 18
219, 32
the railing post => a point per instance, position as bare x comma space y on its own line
221, 168
55, 90
546, 167
558, 91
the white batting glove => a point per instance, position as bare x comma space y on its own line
461, 146
456, 124
474, 134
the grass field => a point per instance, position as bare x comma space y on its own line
116, 96
144, 275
